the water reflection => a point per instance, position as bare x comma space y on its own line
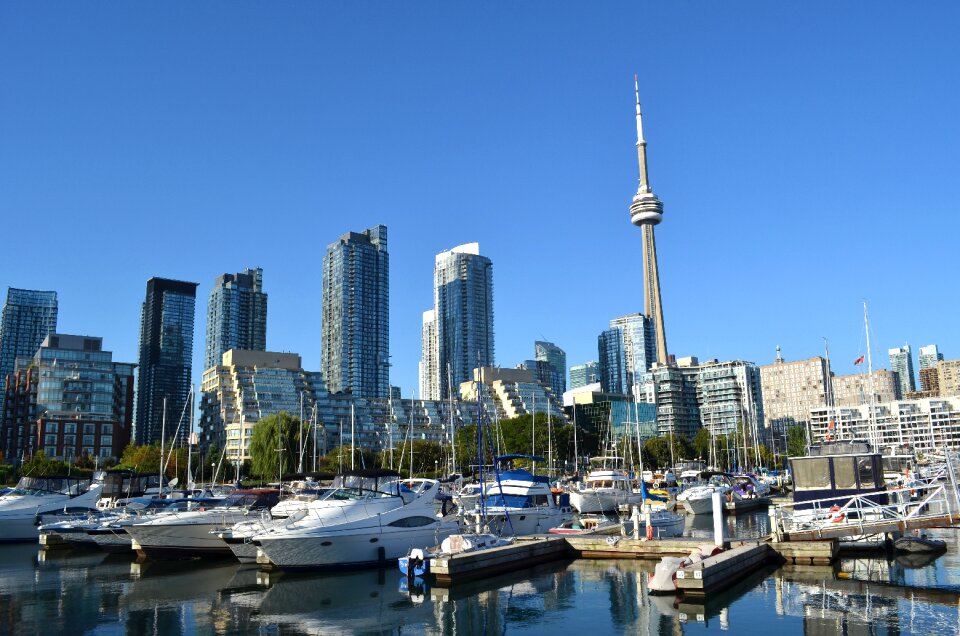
96, 593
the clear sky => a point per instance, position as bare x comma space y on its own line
805, 153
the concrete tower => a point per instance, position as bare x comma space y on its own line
647, 211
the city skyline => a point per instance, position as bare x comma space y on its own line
777, 182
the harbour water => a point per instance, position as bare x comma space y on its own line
74, 592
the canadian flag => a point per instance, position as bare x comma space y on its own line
858, 361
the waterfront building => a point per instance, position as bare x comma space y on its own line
166, 360
646, 211
510, 393
583, 374
610, 416
854, 390
236, 315
69, 400
791, 389
901, 361
461, 336
930, 426
29, 316
626, 352
729, 395
948, 377
673, 390
355, 336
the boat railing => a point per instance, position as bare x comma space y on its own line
862, 514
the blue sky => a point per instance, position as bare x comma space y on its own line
805, 154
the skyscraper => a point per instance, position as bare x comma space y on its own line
28, 317
626, 352
929, 356
901, 361
236, 315
463, 320
355, 336
429, 369
584, 374
557, 358
166, 360
646, 211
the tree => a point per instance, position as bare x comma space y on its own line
797, 441
338, 459
701, 443
42, 466
143, 459
275, 447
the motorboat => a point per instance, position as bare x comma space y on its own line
187, 533
371, 519
698, 499
604, 491
587, 524
109, 532
518, 503
38, 500
417, 561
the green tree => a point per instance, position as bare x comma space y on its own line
701, 443
275, 446
142, 459
338, 459
42, 466
797, 441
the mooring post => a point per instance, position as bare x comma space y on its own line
636, 522
717, 520
774, 526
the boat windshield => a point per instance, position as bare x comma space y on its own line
50, 485
510, 501
264, 499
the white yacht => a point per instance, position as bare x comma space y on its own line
698, 499
187, 533
604, 491
371, 519
110, 532
518, 503
37, 500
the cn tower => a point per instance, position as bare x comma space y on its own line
647, 211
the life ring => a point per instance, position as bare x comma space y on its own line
835, 515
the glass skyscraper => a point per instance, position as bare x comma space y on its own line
557, 358
462, 330
236, 315
626, 352
901, 361
166, 359
355, 334
28, 317
584, 374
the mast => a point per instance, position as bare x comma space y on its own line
413, 397
190, 443
453, 432
872, 420
352, 418
163, 433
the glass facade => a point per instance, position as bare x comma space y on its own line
557, 359
901, 361
236, 315
626, 351
584, 374
28, 317
463, 314
355, 334
166, 355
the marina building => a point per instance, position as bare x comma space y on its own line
583, 374
29, 316
355, 333
166, 360
791, 389
236, 315
460, 329
69, 400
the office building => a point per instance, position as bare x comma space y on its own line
557, 359
583, 374
236, 315
854, 390
355, 336
166, 361
673, 390
461, 332
69, 400
626, 352
901, 361
929, 356
948, 377
29, 316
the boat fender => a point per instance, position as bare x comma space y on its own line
730, 496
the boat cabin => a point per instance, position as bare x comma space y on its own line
826, 474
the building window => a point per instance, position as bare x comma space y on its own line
89, 428
88, 440
70, 428
50, 451
106, 429
88, 451
70, 440
51, 427
106, 440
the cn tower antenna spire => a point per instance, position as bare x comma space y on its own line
646, 211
